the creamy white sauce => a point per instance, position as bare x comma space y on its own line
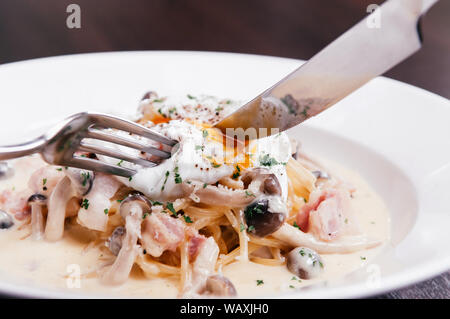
200, 156
49, 264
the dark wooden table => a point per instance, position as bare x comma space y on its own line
288, 28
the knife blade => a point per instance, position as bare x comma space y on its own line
383, 39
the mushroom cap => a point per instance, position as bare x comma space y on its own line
268, 182
37, 199
82, 180
6, 220
304, 263
218, 285
134, 199
114, 242
263, 217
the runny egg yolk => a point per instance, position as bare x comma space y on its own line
235, 152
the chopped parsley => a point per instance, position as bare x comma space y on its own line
85, 203
250, 210
130, 178
237, 173
177, 176
156, 203
205, 133
44, 181
302, 252
160, 112
266, 160
215, 165
169, 206
242, 227
59, 169
204, 185
191, 97
172, 110
85, 176
251, 228
363, 258
248, 194
199, 147
120, 163
144, 216
187, 219
165, 180
259, 282
119, 200
296, 225
290, 286
106, 211
219, 108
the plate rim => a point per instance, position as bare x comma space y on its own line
393, 282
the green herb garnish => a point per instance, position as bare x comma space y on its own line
187, 219
169, 206
85, 203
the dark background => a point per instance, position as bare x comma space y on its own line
287, 28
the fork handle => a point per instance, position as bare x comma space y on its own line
19, 150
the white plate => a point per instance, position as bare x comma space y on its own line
395, 135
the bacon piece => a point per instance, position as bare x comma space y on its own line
326, 213
16, 203
160, 232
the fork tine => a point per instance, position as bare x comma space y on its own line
84, 147
113, 138
108, 121
97, 166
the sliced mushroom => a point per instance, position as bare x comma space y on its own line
216, 195
6, 220
294, 237
220, 286
76, 183
114, 242
305, 263
82, 180
37, 202
132, 209
265, 215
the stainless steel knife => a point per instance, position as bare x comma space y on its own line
383, 39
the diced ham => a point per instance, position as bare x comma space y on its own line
16, 203
195, 242
202, 268
161, 232
94, 217
326, 214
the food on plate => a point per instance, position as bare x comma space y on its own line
216, 219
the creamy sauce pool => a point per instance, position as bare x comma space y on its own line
51, 265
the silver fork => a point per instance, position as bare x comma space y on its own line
60, 145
